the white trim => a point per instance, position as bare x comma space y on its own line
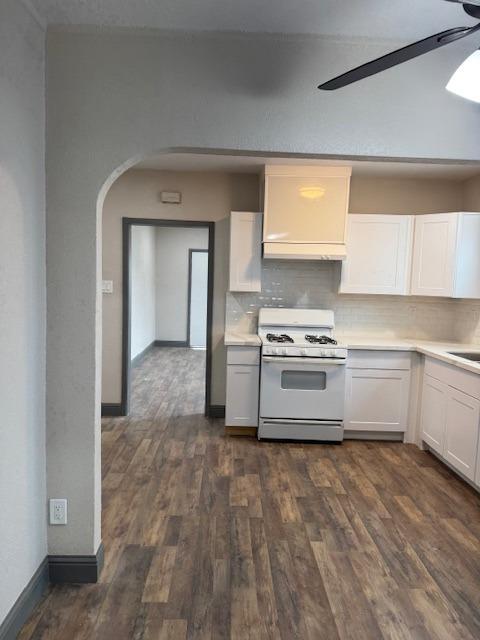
35, 14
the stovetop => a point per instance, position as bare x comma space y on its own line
302, 340
305, 333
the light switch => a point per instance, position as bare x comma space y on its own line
107, 286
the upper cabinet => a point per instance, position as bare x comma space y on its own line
446, 255
305, 212
378, 254
245, 251
426, 255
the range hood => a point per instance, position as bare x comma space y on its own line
305, 212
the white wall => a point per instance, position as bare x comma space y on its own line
23, 512
143, 292
115, 96
173, 245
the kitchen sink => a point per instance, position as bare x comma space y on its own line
474, 356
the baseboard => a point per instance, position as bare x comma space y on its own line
389, 436
216, 411
140, 356
25, 604
76, 569
112, 409
171, 343
250, 432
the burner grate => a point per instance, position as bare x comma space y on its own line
320, 339
276, 337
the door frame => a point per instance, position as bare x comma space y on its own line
189, 301
127, 224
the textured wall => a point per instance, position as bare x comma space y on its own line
112, 97
22, 301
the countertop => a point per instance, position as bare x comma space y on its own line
434, 349
236, 339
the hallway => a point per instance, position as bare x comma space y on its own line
214, 537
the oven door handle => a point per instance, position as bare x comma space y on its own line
306, 360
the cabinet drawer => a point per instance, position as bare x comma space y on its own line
369, 359
465, 381
243, 355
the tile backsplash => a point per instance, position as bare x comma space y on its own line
315, 285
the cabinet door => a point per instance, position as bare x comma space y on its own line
434, 248
376, 400
378, 254
461, 435
434, 413
245, 251
241, 408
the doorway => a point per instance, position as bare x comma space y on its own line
197, 298
184, 254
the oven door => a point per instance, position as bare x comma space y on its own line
302, 388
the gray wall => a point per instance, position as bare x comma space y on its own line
143, 294
23, 512
116, 97
173, 245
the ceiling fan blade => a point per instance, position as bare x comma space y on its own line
466, 2
398, 57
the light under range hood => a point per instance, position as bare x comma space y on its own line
305, 212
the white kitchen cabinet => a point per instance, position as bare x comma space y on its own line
378, 254
305, 211
461, 433
243, 380
446, 255
376, 400
450, 418
245, 251
377, 391
434, 412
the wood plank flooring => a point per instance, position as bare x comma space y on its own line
214, 537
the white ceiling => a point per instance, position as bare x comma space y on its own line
249, 164
377, 19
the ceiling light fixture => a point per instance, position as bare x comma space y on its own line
312, 193
465, 82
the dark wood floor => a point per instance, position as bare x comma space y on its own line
211, 537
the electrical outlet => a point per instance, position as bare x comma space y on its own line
58, 511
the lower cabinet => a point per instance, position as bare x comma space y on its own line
434, 413
450, 422
377, 391
377, 400
461, 433
243, 380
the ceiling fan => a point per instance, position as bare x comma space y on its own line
464, 82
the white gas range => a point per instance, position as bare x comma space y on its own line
302, 382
